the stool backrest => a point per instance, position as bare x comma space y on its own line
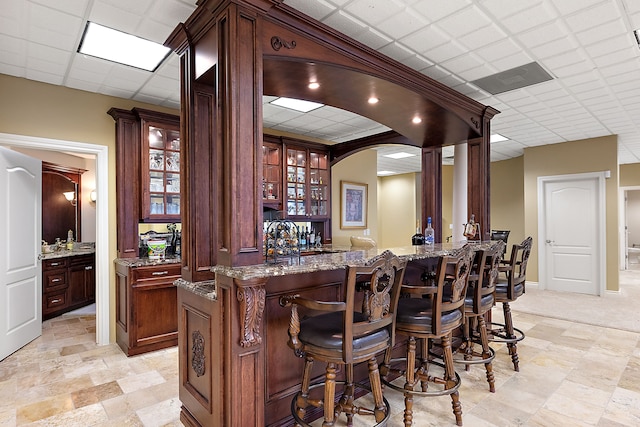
517, 268
380, 280
484, 274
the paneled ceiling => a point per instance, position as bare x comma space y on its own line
587, 46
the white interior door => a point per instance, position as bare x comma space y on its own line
571, 238
20, 268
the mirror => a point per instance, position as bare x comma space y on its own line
60, 202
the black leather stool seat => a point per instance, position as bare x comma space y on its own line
501, 291
326, 331
417, 311
486, 302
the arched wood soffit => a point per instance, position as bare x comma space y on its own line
300, 51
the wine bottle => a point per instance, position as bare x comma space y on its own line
418, 238
429, 235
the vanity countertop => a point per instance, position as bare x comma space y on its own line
82, 248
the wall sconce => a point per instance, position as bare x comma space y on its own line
70, 196
93, 196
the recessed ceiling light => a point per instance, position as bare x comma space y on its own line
399, 155
116, 46
314, 85
496, 137
383, 173
373, 100
416, 120
296, 104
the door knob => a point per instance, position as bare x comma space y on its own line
550, 242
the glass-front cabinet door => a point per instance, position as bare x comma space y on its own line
160, 172
308, 183
272, 175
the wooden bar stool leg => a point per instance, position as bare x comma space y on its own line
508, 324
301, 401
346, 401
376, 390
486, 352
450, 377
329, 395
410, 381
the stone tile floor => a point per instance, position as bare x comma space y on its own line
571, 374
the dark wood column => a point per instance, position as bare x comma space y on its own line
432, 189
221, 70
478, 182
127, 181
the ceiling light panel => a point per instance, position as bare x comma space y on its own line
115, 46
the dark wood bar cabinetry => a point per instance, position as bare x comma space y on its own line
146, 306
68, 283
233, 369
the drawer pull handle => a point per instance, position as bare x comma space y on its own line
55, 280
54, 301
53, 264
89, 267
159, 273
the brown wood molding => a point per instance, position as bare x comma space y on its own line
251, 296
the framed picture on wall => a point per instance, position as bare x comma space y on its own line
353, 205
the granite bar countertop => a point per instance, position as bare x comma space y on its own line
333, 258
81, 248
144, 262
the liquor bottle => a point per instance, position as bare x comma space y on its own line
312, 238
429, 238
471, 228
418, 238
306, 238
303, 240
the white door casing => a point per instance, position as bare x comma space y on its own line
20, 268
102, 215
571, 225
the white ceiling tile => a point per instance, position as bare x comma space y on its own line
602, 32
538, 14
512, 61
345, 23
318, 9
402, 23
372, 38
445, 52
483, 36
53, 28
167, 12
464, 21
73, 7
554, 48
54, 79
593, 16
435, 10
502, 8
119, 19
499, 50
426, 39
372, 11
396, 51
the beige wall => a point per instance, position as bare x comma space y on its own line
589, 155
507, 198
38, 109
630, 175
359, 168
397, 209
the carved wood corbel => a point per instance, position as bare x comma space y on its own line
251, 296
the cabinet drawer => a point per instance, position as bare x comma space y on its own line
54, 279
156, 272
55, 263
54, 300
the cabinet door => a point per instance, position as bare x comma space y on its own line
319, 194
308, 184
76, 285
271, 174
160, 168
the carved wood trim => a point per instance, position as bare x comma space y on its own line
198, 355
252, 301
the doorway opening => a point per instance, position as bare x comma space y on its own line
101, 153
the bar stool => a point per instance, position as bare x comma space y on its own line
344, 336
431, 312
478, 302
508, 290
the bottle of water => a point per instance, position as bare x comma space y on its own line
429, 233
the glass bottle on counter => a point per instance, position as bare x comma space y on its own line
429, 233
418, 238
